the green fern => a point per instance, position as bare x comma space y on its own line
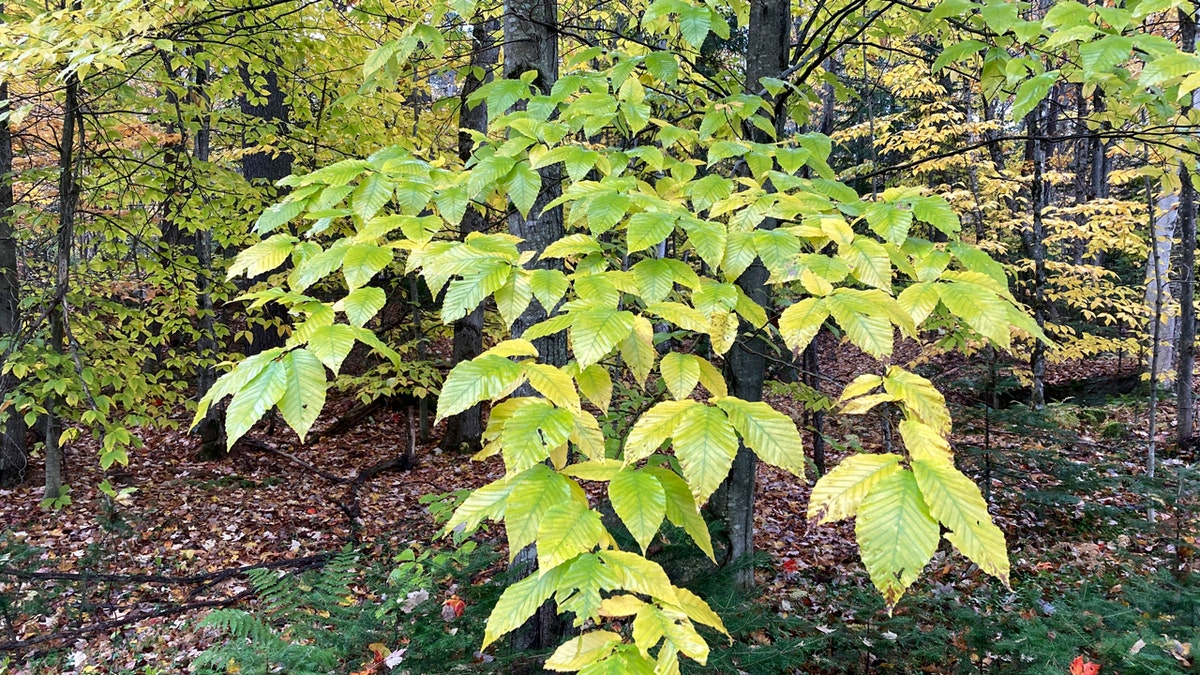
303, 625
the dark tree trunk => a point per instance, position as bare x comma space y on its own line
68, 201
1036, 249
812, 375
13, 458
464, 431
531, 43
1186, 397
211, 429
266, 167
745, 365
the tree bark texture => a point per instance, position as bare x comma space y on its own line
211, 429
464, 431
68, 202
1037, 251
745, 365
1185, 370
1159, 301
13, 457
531, 43
266, 167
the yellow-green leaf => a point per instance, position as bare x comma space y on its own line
838, 494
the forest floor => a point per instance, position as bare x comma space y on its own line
124, 581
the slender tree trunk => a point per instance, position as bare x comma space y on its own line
68, 201
13, 458
812, 372
464, 431
531, 44
211, 429
745, 365
1185, 395
1164, 218
1037, 250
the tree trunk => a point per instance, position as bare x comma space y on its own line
211, 429
1159, 301
464, 431
68, 201
531, 43
13, 458
1037, 250
745, 365
266, 167
1185, 395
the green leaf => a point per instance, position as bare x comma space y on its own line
264, 256
896, 535
253, 400
371, 196
514, 296
580, 651
331, 344
956, 502
596, 384
708, 238
519, 602
533, 430
936, 211
681, 508
838, 494
548, 287
595, 332
637, 349
654, 427
484, 378
957, 51
801, 322
695, 22
919, 300
922, 400
769, 433
655, 279
681, 372
572, 245
553, 383
869, 261
483, 503
304, 396
1031, 92
705, 445
981, 308
924, 442
465, 294
567, 529
648, 228
1168, 67
865, 323
1104, 54
362, 304
639, 499
524, 185
533, 494
606, 210
889, 221
362, 262
277, 215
